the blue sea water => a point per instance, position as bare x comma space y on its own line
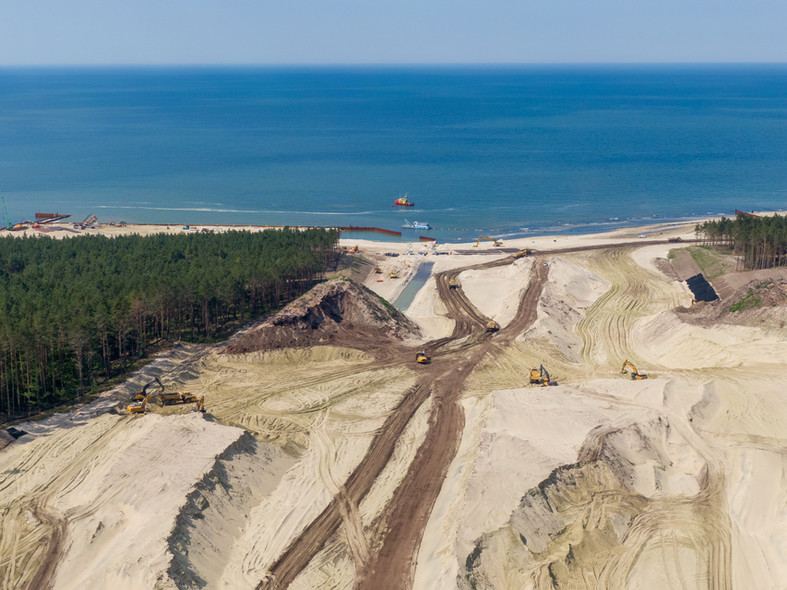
505, 151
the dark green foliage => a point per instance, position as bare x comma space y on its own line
75, 312
760, 242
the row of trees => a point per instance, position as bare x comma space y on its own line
76, 312
760, 242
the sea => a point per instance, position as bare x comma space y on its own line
503, 151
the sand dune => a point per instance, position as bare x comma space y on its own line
676, 481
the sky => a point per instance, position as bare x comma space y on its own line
88, 32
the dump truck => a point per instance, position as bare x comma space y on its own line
541, 377
634, 373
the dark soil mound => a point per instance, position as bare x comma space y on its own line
336, 312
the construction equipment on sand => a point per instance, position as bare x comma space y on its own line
394, 274
143, 393
137, 407
492, 326
200, 404
541, 377
497, 243
521, 253
421, 358
634, 373
378, 270
453, 283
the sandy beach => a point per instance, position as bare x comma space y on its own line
344, 464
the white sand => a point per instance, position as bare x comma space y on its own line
712, 414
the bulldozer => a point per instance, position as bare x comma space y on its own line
634, 374
453, 283
541, 377
522, 253
421, 358
497, 243
492, 326
137, 407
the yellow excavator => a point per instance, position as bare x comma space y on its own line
421, 358
143, 393
497, 243
394, 275
541, 377
634, 373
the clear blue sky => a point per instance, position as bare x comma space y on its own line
394, 31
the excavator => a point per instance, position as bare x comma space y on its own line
541, 377
421, 358
143, 394
634, 373
497, 243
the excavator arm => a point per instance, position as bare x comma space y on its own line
496, 242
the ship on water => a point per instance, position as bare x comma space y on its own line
403, 202
416, 225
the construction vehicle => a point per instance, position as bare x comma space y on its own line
394, 274
421, 358
137, 407
634, 374
200, 404
188, 397
497, 243
541, 377
492, 326
453, 283
378, 270
143, 394
521, 253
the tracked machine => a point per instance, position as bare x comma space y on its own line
634, 374
541, 377
492, 326
421, 358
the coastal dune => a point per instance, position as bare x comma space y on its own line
305, 461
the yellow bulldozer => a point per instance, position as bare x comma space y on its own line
521, 253
421, 358
634, 374
541, 377
137, 407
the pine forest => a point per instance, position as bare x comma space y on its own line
76, 312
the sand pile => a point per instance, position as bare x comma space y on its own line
334, 312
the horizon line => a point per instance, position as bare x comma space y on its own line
387, 64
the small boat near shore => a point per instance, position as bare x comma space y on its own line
403, 202
416, 225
